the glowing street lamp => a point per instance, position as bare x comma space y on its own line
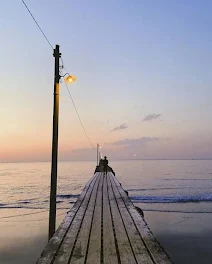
70, 79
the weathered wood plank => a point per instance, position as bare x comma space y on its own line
80, 248
109, 248
95, 243
48, 254
155, 250
65, 251
124, 248
139, 249
103, 226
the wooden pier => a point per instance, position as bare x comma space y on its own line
103, 227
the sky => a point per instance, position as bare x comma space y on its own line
143, 88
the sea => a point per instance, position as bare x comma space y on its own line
175, 196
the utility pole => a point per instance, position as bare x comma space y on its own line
53, 187
97, 154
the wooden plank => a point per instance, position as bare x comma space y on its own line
54, 244
155, 250
80, 248
109, 248
65, 251
125, 252
138, 247
95, 241
103, 226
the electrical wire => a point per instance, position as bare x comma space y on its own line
37, 24
11, 216
78, 115
63, 66
63, 77
24, 220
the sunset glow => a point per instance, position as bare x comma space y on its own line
143, 84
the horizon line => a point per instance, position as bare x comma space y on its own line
91, 160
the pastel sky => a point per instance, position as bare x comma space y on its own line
144, 81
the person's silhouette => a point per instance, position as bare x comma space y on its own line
105, 162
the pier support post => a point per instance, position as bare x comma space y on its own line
53, 187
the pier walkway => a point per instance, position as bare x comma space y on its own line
103, 227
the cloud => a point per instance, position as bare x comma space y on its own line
83, 153
137, 107
82, 150
134, 141
151, 117
122, 126
86, 153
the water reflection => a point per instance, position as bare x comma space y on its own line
22, 239
185, 237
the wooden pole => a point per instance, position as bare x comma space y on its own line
53, 187
97, 154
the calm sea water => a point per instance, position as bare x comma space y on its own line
176, 197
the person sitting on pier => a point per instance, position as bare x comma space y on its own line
105, 162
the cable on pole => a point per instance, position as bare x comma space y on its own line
63, 66
78, 115
37, 24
